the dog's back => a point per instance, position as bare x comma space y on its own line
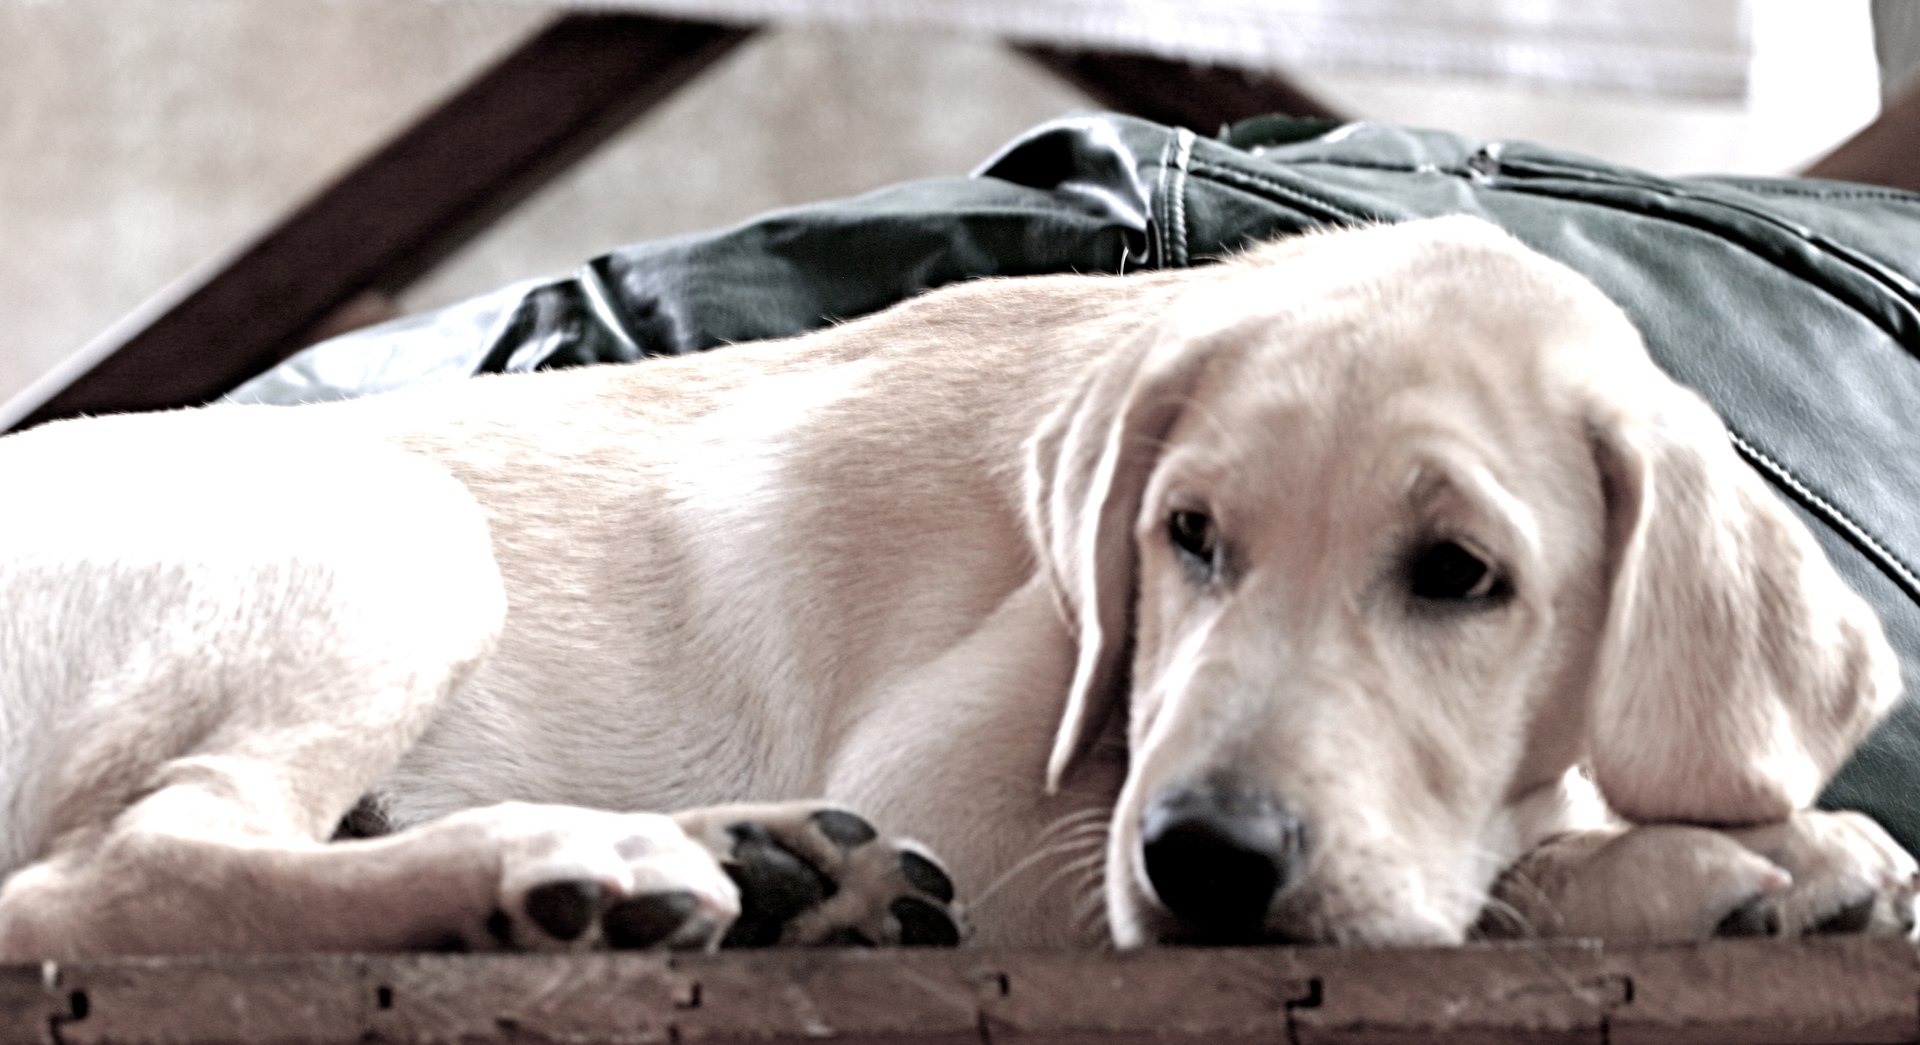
659, 529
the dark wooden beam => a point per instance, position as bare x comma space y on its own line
1199, 97
1822, 989
1885, 152
421, 196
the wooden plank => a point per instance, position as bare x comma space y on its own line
1739, 991
799, 996
1198, 996
1199, 97
1886, 152
621, 999
272, 1001
387, 221
28, 1007
1502, 993
1811, 992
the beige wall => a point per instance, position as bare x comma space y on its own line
140, 138
791, 116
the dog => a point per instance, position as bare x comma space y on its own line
1369, 587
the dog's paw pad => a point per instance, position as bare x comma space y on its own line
846, 936
564, 909
843, 828
1757, 917
575, 913
776, 886
923, 924
654, 920
821, 875
925, 875
1848, 876
1851, 918
578, 879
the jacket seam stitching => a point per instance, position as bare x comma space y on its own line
1885, 195
1886, 558
1244, 179
1182, 145
1162, 244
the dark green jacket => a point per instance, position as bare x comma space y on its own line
1791, 304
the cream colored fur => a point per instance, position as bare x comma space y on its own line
918, 564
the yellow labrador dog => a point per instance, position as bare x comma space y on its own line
1366, 588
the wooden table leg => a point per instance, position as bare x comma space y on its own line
1886, 152
1199, 97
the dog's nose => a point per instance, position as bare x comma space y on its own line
1217, 855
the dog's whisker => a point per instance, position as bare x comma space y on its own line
1092, 816
1092, 899
1099, 830
1089, 916
1072, 828
1093, 841
1079, 836
1025, 864
1078, 868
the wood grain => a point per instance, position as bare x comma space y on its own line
1748, 991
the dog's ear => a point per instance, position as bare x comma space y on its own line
1088, 466
1736, 670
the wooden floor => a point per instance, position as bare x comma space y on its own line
1813, 991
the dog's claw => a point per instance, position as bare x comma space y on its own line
845, 829
1853, 918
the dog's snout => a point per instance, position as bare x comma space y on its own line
1217, 856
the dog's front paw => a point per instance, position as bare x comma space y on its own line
575, 879
813, 873
1847, 876
1817, 872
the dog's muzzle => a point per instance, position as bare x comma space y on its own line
1217, 854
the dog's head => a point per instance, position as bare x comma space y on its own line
1377, 532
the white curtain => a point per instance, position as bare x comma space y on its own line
1691, 48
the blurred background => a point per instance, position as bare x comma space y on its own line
142, 140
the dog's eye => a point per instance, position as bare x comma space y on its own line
1448, 572
1192, 533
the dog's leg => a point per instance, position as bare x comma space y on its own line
1817, 872
207, 668
504, 875
180, 872
202, 670
211, 695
